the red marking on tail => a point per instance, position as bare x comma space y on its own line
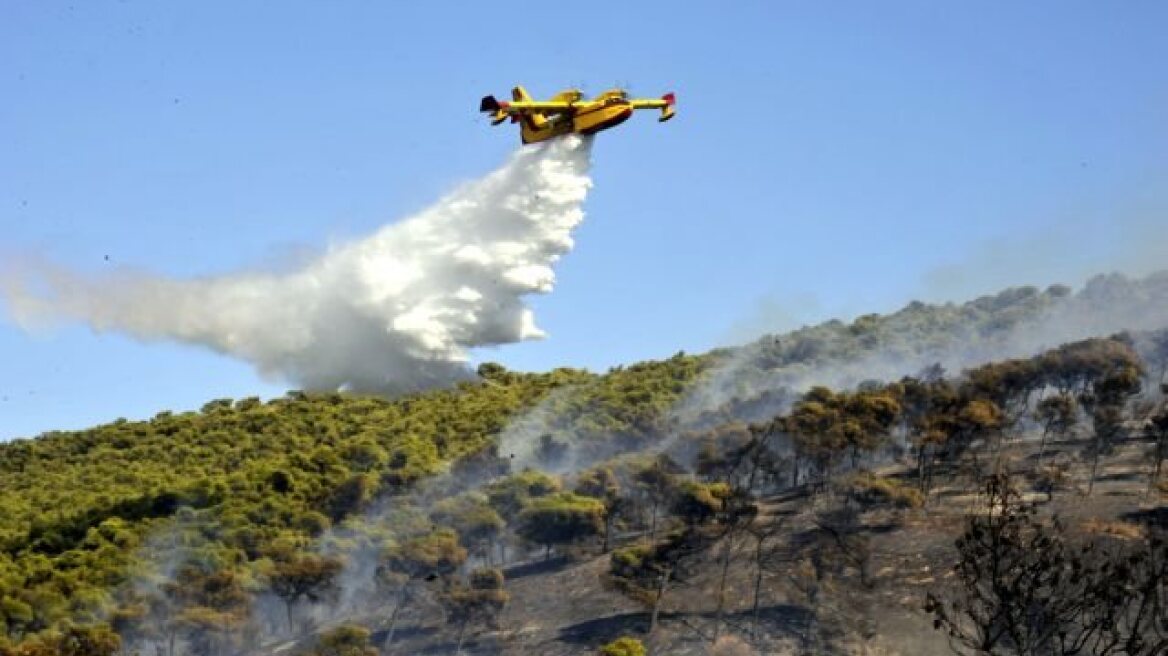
669, 98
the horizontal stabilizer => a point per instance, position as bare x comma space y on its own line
489, 104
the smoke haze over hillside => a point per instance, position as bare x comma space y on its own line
396, 311
1017, 322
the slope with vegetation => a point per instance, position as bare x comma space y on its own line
250, 526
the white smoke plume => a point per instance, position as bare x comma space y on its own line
761, 379
396, 311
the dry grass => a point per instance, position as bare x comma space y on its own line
1112, 528
731, 646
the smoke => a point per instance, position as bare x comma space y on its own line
396, 311
756, 381
543, 437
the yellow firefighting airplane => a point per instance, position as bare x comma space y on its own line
568, 113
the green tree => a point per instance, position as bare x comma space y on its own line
206, 630
657, 481
646, 572
480, 600
471, 516
96, 640
424, 557
305, 577
350, 496
698, 503
817, 429
870, 416
560, 519
208, 605
510, 495
18, 616
344, 640
600, 482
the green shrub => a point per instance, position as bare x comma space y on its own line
877, 490
623, 647
345, 640
561, 519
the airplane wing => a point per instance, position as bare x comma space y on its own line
665, 104
545, 106
501, 110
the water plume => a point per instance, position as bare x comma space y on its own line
396, 311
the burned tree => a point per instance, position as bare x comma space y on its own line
1024, 587
1015, 585
1058, 415
1157, 429
768, 552
1105, 403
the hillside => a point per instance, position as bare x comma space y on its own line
534, 513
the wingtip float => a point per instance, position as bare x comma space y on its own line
568, 112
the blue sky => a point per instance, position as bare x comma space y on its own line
827, 159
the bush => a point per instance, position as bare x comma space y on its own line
876, 490
561, 519
488, 578
623, 647
346, 640
697, 503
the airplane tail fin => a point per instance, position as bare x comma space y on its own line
519, 94
493, 107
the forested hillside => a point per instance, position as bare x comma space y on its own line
250, 524
256, 481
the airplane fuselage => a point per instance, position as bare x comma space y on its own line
590, 117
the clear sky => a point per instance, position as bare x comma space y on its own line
827, 159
